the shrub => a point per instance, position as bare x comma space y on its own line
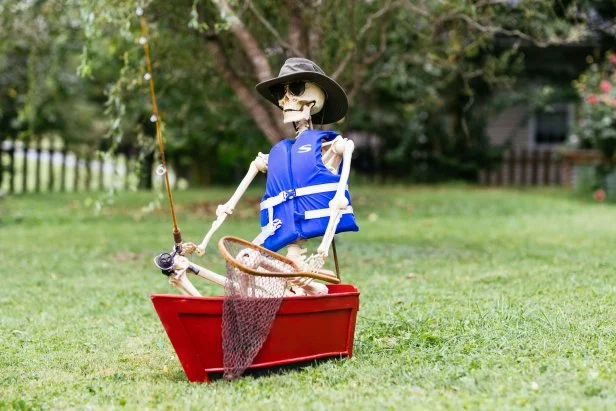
597, 114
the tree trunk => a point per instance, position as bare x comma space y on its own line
24, 168
12, 166
251, 47
145, 171
266, 115
200, 173
247, 97
37, 165
1, 163
295, 26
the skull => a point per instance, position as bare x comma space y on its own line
300, 101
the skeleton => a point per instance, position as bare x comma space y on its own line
299, 101
298, 105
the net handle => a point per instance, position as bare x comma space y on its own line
231, 260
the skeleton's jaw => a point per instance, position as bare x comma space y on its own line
295, 115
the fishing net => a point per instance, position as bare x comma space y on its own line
257, 281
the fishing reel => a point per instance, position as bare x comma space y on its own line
164, 261
168, 264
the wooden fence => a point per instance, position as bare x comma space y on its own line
36, 168
44, 169
525, 168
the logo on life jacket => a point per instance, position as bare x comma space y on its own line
305, 148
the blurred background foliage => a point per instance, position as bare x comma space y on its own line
417, 74
597, 115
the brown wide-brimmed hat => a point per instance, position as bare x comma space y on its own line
298, 69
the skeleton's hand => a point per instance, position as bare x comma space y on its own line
224, 209
313, 263
189, 248
339, 202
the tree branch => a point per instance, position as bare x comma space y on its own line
314, 40
362, 32
360, 68
245, 95
292, 47
456, 14
257, 57
501, 30
295, 24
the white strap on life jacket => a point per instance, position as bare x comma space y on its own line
298, 192
324, 212
283, 196
267, 231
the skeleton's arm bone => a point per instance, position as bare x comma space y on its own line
259, 164
206, 274
182, 265
339, 202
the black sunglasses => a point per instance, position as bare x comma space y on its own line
296, 88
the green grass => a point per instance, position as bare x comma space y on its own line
511, 304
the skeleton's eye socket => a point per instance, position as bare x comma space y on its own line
277, 91
296, 88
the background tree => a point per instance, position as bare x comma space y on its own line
414, 72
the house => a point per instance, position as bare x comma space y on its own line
537, 127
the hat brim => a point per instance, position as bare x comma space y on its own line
336, 103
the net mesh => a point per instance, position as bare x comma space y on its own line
250, 305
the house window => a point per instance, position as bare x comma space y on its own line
551, 127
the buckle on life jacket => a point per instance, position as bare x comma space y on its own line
289, 194
267, 231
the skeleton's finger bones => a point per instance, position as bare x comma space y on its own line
188, 248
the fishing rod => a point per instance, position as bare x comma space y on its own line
155, 118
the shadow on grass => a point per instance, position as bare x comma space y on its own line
179, 375
277, 370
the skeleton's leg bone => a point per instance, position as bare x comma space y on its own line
299, 286
295, 251
303, 285
175, 284
315, 288
249, 287
184, 285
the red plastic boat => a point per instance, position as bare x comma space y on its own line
306, 328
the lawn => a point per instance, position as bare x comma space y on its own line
470, 298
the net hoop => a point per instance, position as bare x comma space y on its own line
222, 247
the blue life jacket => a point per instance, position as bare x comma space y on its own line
298, 191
